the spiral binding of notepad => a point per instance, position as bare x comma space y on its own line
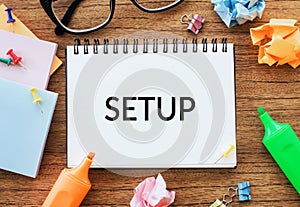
145, 44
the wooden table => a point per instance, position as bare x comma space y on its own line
277, 89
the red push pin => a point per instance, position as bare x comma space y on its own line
15, 58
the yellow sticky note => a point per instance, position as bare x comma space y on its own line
20, 28
279, 41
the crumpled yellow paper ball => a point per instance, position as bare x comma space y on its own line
278, 41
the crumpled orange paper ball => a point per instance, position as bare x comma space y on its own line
278, 41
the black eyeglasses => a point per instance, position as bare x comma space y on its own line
80, 17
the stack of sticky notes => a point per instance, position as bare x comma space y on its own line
23, 127
20, 28
26, 107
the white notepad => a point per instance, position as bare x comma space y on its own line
120, 104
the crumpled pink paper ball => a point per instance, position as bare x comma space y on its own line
152, 193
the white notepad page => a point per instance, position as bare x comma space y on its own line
198, 141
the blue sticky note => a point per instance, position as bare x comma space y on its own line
23, 127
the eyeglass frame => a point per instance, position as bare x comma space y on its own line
61, 25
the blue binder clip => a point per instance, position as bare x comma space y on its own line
244, 191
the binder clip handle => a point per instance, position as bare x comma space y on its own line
185, 19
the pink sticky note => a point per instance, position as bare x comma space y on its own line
37, 56
20, 28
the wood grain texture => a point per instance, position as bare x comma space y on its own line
277, 89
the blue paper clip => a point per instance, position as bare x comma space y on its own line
244, 191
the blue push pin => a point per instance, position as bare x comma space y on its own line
10, 20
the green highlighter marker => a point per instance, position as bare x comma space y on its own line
284, 146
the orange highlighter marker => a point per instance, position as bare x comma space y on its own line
71, 186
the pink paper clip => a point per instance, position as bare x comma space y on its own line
194, 24
197, 21
193, 29
198, 18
